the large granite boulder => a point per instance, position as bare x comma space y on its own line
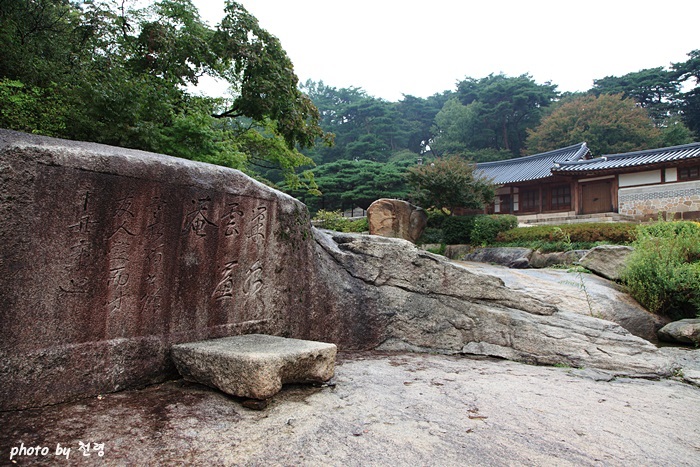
686, 331
423, 302
397, 219
254, 365
607, 261
108, 256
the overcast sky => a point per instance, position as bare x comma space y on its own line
395, 47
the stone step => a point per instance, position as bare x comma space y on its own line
254, 365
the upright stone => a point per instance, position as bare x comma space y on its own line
397, 219
607, 261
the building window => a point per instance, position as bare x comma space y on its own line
560, 197
529, 200
689, 173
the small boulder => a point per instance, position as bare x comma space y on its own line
254, 365
516, 258
456, 251
607, 261
396, 219
686, 331
564, 258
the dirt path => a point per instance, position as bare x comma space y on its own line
385, 409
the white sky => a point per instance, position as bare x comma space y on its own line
395, 47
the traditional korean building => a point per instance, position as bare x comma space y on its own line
527, 184
569, 182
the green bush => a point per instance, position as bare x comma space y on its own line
615, 233
334, 220
430, 235
457, 229
436, 218
663, 272
486, 228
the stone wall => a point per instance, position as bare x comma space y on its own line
682, 199
108, 256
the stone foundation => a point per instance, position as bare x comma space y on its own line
681, 200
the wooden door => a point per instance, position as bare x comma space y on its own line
597, 196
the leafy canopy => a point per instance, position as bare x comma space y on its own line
608, 123
115, 73
448, 183
493, 113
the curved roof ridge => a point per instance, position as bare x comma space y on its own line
646, 157
648, 151
529, 168
582, 147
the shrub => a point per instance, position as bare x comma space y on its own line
616, 233
458, 229
663, 272
430, 235
436, 218
334, 220
486, 228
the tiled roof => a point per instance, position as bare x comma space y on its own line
631, 159
529, 168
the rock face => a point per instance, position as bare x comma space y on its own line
254, 365
607, 260
108, 256
426, 303
397, 219
518, 258
546, 260
584, 294
686, 331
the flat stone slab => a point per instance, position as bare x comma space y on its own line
254, 365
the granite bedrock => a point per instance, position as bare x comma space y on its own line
109, 256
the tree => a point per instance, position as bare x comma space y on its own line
655, 89
500, 108
347, 184
123, 75
417, 117
607, 123
688, 72
448, 183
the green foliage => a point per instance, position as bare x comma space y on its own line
486, 228
688, 73
476, 229
334, 220
31, 109
449, 183
609, 124
431, 235
349, 184
436, 218
491, 113
663, 273
616, 233
369, 128
458, 229
654, 89
115, 74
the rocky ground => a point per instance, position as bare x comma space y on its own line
382, 409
